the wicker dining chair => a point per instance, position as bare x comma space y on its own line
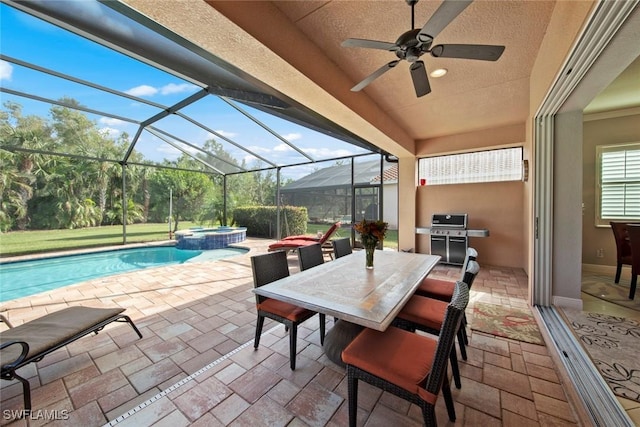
342, 247
411, 366
268, 268
443, 289
427, 315
310, 256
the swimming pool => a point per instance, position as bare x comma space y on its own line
24, 278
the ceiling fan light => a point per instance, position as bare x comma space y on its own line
438, 72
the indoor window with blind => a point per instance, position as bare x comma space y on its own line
479, 166
617, 183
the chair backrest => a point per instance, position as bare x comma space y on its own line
623, 248
268, 268
329, 232
634, 239
342, 247
470, 273
446, 340
310, 256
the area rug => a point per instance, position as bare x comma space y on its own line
613, 344
604, 288
514, 323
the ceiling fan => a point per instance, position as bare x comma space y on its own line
414, 43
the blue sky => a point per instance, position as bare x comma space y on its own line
29, 39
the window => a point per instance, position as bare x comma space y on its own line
479, 166
617, 183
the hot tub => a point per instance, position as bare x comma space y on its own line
199, 238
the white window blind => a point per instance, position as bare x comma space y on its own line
618, 175
479, 166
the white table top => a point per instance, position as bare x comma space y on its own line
345, 289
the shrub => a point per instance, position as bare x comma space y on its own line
261, 220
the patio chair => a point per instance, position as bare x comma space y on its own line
32, 341
426, 315
634, 242
310, 256
268, 268
292, 243
411, 366
623, 247
342, 247
443, 290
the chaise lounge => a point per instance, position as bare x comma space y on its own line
33, 340
294, 242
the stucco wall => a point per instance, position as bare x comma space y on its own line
495, 206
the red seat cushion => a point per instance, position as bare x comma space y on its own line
290, 244
301, 237
424, 311
284, 309
399, 357
436, 288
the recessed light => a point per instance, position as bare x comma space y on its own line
438, 73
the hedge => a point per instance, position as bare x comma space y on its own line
261, 220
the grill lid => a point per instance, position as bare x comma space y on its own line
449, 220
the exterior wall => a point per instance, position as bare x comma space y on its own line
390, 208
601, 132
497, 206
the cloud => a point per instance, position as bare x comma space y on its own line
142, 90
6, 70
112, 122
292, 136
176, 88
282, 147
224, 133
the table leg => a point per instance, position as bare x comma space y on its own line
338, 338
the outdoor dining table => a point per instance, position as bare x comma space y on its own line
359, 297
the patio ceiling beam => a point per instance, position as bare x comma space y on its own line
181, 149
67, 105
229, 140
195, 147
80, 81
265, 127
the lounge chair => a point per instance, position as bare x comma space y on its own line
292, 243
33, 340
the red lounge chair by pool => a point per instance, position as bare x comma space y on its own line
294, 242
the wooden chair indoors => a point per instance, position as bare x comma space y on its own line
411, 366
634, 242
342, 247
623, 247
268, 268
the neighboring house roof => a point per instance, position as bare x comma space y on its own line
340, 176
390, 175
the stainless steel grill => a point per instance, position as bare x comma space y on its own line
449, 237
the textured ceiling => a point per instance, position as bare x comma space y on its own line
486, 94
473, 95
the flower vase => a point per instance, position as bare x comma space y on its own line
369, 248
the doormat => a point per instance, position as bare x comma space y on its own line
613, 344
514, 323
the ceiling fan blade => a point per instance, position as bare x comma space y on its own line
482, 52
446, 13
420, 79
380, 71
369, 44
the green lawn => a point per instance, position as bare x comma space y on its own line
38, 241
28, 242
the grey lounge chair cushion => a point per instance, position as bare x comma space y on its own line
51, 329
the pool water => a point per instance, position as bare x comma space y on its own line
24, 278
